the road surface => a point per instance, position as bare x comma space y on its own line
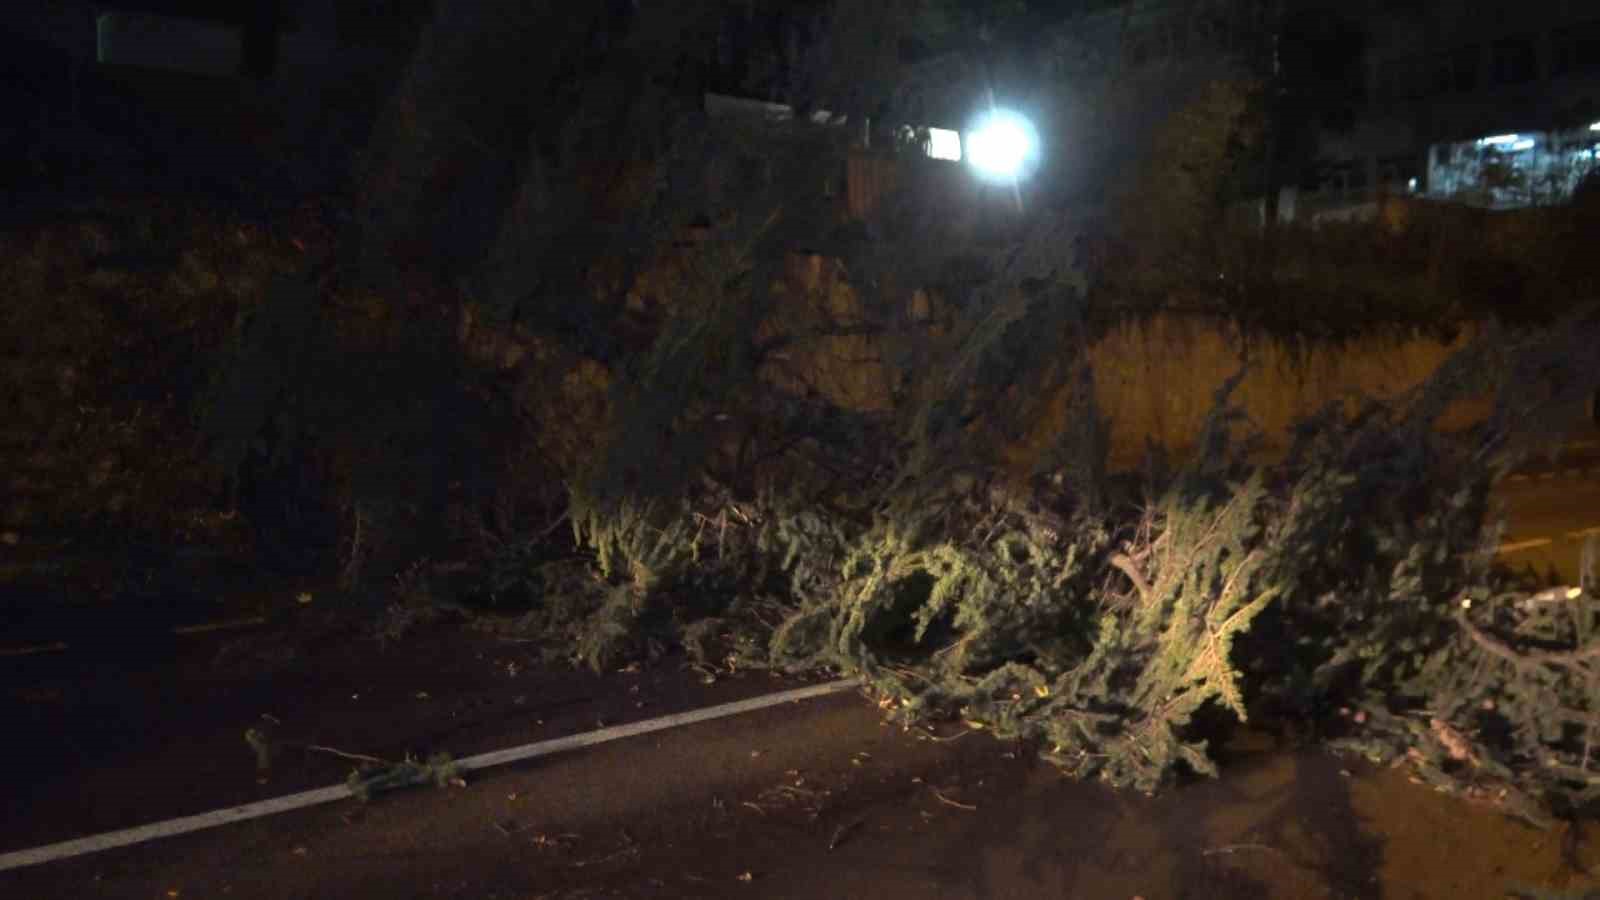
814, 800
1551, 516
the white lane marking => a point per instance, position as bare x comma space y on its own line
172, 827
1523, 545
1584, 532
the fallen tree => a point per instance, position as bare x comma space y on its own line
952, 532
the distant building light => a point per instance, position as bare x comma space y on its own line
1525, 144
944, 144
1411, 184
1499, 140
1595, 127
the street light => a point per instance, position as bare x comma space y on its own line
1002, 145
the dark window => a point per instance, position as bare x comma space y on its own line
1515, 61
1577, 49
1178, 38
1139, 47
1443, 78
1466, 63
1397, 171
1211, 31
1343, 177
1354, 77
1401, 79
363, 22
1454, 71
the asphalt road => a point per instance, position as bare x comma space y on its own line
822, 799
1551, 516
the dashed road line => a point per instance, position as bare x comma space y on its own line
1573, 474
1519, 546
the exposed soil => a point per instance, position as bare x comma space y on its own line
813, 800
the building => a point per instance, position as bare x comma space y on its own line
1488, 102
164, 92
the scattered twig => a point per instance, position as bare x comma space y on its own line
842, 832
1126, 566
630, 850
32, 650
1526, 657
227, 625
928, 733
358, 757
1235, 848
948, 802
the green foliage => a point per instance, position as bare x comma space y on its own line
439, 770
903, 544
1040, 610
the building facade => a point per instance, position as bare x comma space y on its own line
1490, 102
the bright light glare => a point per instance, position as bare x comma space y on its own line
1002, 145
944, 144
